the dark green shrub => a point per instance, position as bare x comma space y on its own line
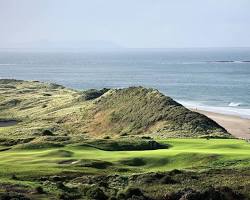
167, 180
14, 177
125, 144
98, 164
47, 94
12, 196
39, 190
93, 93
47, 132
131, 193
38, 145
133, 162
96, 193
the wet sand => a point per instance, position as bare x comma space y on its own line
235, 125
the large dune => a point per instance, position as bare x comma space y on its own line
50, 109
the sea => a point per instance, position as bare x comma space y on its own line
212, 79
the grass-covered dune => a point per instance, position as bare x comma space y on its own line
43, 109
140, 110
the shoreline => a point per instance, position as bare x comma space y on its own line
243, 113
237, 126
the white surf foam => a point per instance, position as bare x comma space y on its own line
6, 64
234, 104
228, 110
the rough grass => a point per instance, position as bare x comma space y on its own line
139, 110
97, 113
30, 165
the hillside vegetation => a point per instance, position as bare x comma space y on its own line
95, 170
133, 143
51, 110
137, 110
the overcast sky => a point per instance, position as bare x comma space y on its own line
125, 23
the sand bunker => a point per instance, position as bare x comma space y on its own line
6, 123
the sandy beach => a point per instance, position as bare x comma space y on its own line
235, 125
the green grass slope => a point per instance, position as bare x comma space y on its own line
74, 168
43, 110
137, 110
205, 154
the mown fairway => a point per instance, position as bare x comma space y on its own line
193, 154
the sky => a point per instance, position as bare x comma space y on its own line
124, 23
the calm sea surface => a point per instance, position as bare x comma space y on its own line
210, 79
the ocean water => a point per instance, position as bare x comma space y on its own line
209, 79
